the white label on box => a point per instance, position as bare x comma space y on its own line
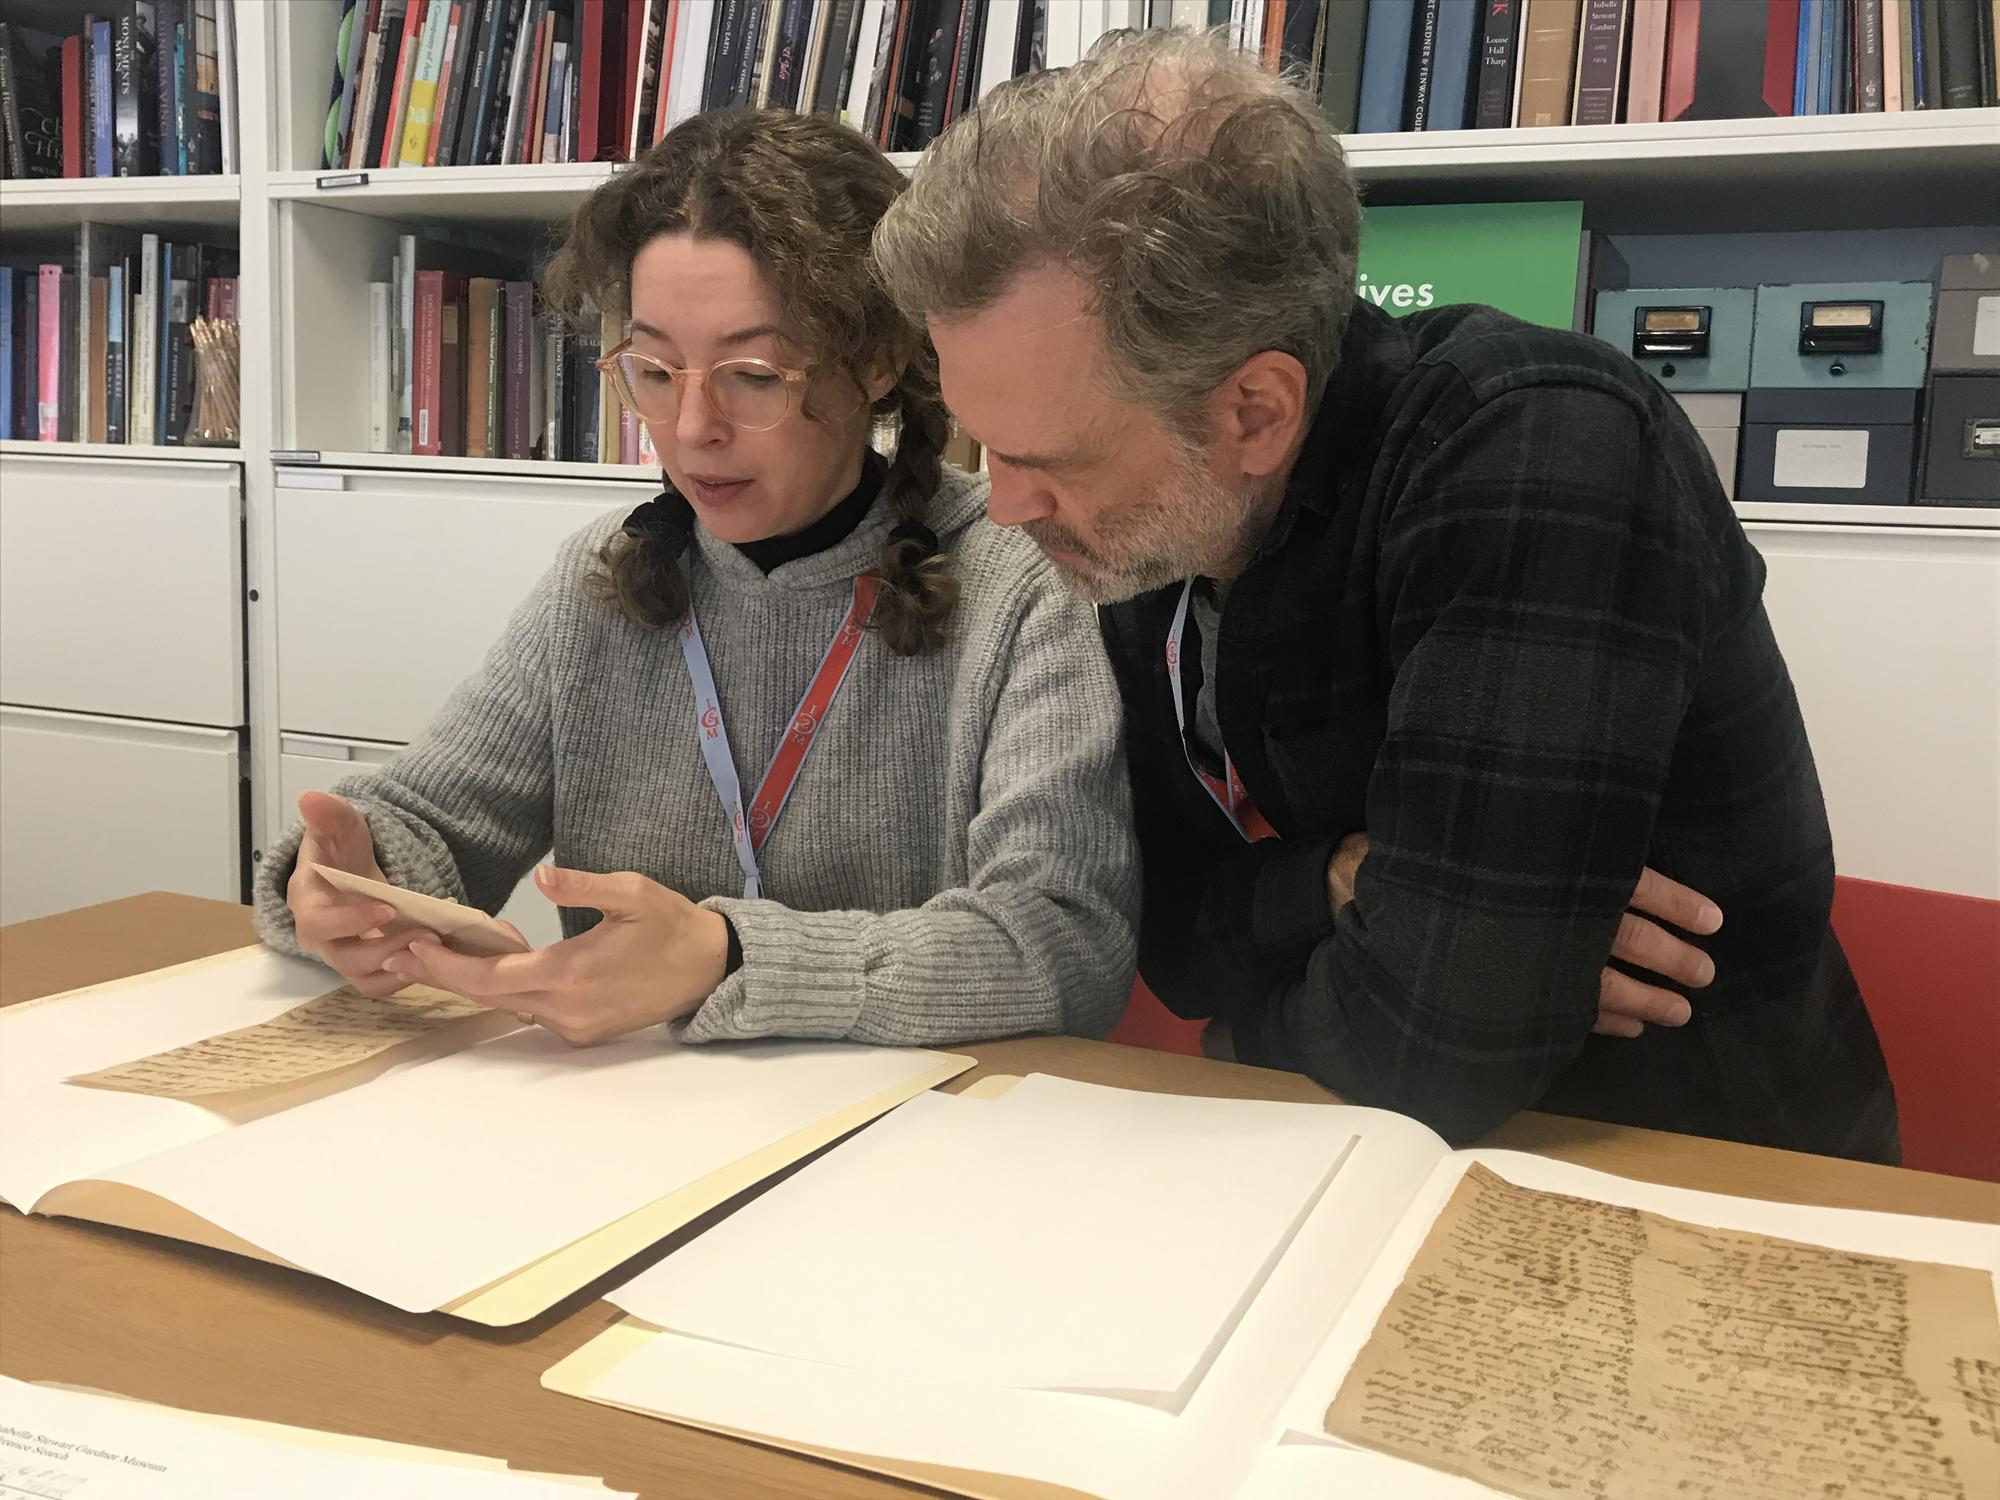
1986, 328
1819, 458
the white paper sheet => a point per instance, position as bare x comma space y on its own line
1097, 1444
1065, 1236
428, 1184
1947, 1241
63, 1445
52, 1132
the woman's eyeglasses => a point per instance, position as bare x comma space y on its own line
752, 394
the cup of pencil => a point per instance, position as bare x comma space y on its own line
217, 417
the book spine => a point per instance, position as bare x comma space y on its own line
725, 37
421, 99
476, 345
8, 353
451, 369
519, 367
184, 120
1647, 71
873, 121
528, 144
441, 101
1423, 64
1385, 63
1868, 57
1457, 56
464, 63
68, 412
673, 44
225, 52
205, 106
1600, 62
97, 297
1493, 106
591, 60
428, 342
835, 49
166, 21
553, 386
28, 339
103, 103
380, 327
1548, 62
756, 19
496, 374
118, 354
1959, 56
511, 92
406, 344
12, 130
145, 326
125, 150
72, 107
628, 438
364, 102
553, 128
1839, 60
789, 63
180, 344
495, 32
48, 397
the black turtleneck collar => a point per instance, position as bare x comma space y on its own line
830, 529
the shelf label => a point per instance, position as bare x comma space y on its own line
1821, 459
328, 181
295, 455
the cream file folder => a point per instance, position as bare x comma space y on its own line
1314, 1339
489, 1182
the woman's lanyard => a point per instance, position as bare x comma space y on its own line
1227, 790
748, 831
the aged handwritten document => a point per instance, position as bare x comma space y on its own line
1551, 1346
335, 1031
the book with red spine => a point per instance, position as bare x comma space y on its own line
536, 113
598, 53
667, 32
427, 342
628, 436
1730, 61
399, 97
452, 348
72, 108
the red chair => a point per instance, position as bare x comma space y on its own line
1929, 965
1148, 1023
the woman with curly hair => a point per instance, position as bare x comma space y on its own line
820, 751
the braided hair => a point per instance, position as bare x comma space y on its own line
801, 195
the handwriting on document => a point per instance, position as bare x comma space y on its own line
335, 1031
1555, 1347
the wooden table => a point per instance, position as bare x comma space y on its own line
184, 1326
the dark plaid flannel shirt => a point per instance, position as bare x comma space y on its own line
1507, 624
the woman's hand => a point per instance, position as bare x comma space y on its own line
353, 935
656, 956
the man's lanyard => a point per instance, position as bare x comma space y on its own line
1227, 790
747, 831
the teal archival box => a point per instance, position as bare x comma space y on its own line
1688, 338
1842, 335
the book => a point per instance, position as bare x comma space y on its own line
874, 116
86, 104
694, 36
899, 104
1423, 60
68, 375
1548, 62
610, 334
1000, 41
177, 341
145, 337
599, 53
380, 84
1646, 72
49, 365
427, 344
514, 92
1869, 57
96, 296
1906, 53
1447, 103
518, 320
118, 352
28, 370
364, 101
403, 388
1385, 63
225, 32
9, 354
30, 117
764, 71
1493, 102
463, 65
1600, 63
535, 105
555, 132
434, 137
789, 37
932, 80
1731, 62
726, 40
402, 51
103, 102
166, 84
646, 75
205, 102
135, 150
1839, 60
482, 303
468, 141
1340, 62
70, 99
185, 125
1958, 49
422, 92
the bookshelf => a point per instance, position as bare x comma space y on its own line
315, 505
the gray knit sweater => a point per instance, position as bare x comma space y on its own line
956, 860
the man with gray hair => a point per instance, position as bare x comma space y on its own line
1435, 634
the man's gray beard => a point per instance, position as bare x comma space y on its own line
1191, 527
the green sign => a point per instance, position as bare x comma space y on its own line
1519, 257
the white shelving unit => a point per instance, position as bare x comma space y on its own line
357, 606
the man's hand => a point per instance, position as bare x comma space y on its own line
1624, 1005
655, 956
